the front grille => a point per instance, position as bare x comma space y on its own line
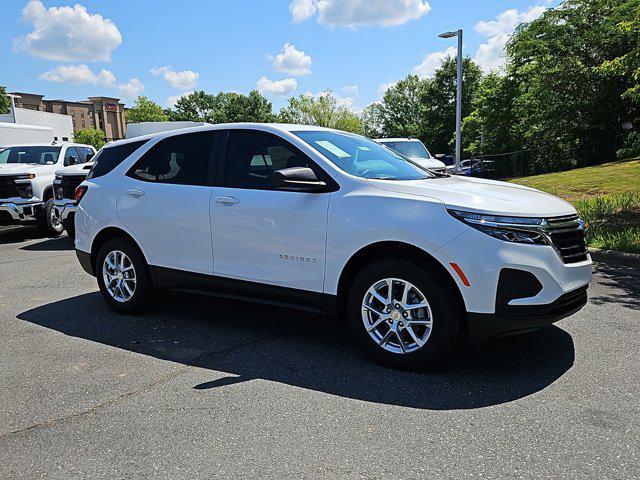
69, 184
568, 237
8, 187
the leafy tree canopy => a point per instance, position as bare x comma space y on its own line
323, 110
223, 108
5, 103
90, 136
145, 110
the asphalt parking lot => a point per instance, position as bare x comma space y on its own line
208, 388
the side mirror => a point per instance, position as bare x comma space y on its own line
70, 160
89, 156
298, 179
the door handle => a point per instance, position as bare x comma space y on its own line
227, 200
135, 193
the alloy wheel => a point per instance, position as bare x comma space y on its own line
397, 315
119, 276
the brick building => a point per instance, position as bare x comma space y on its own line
104, 113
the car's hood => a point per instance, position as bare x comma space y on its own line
482, 196
20, 168
80, 169
428, 162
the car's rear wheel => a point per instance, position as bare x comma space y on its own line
401, 314
49, 223
123, 276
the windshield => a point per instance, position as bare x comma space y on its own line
409, 148
362, 157
33, 155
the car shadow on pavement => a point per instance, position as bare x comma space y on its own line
623, 282
249, 341
17, 234
57, 244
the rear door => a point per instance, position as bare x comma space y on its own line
261, 233
164, 201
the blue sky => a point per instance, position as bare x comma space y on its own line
163, 48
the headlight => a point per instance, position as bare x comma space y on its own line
510, 229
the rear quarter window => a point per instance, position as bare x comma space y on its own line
110, 157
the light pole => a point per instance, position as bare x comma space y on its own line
457, 33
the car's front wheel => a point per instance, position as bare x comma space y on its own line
123, 276
401, 314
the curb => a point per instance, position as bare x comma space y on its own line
613, 256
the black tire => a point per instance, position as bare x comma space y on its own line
47, 223
70, 228
446, 314
144, 292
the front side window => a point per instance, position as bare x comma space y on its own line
32, 155
71, 157
253, 156
409, 148
109, 158
362, 157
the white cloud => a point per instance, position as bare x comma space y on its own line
68, 34
350, 90
359, 13
292, 61
132, 89
171, 101
184, 80
432, 62
490, 54
302, 9
78, 74
81, 74
278, 88
382, 89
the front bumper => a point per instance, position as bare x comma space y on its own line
65, 209
522, 319
16, 212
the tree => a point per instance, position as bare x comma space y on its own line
322, 110
223, 108
145, 110
574, 77
373, 121
403, 108
5, 103
438, 103
90, 136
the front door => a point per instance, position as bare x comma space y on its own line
262, 234
164, 201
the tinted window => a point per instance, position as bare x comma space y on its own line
253, 156
362, 157
71, 157
84, 151
182, 160
109, 158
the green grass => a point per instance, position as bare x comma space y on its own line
584, 183
607, 197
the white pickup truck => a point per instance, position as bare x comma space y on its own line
27, 172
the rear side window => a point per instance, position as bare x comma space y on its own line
84, 151
109, 158
179, 160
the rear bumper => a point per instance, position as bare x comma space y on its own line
524, 318
16, 213
85, 262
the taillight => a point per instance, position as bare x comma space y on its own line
80, 191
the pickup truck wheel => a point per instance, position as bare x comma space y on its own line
49, 223
400, 313
123, 276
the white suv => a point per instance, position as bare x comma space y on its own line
27, 173
333, 222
